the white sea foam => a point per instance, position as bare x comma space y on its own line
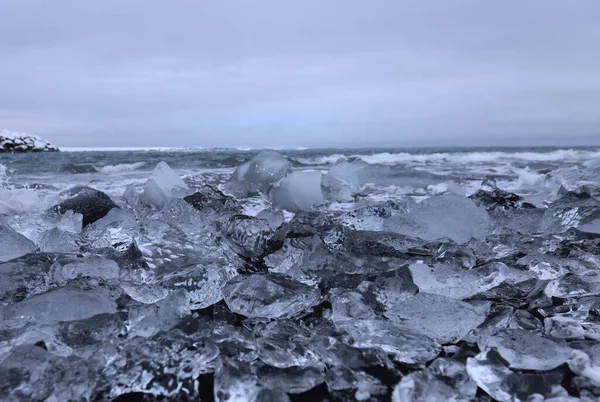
20, 200
475, 157
123, 167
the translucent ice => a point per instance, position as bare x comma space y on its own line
274, 218
31, 373
64, 304
448, 215
401, 341
299, 191
444, 319
457, 283
257, 175
341, 182
148, 320
247, 235
92, 266
525, 350
56, 240
268, 296
162, 186
13, 244
487, 369
204, 282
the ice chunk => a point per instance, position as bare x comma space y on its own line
96, 330
33, 226
443, 380
257, 175
492, 198
247, 235
148, 320
444, 319
401, 341
118, 227
92, 266
162, 186
573, 209
235, 381
64, 304
299, 191
372, 217
13, 244
89, 202
586, 363
341, 183
204, 282
31, 373
295, 380
283, 353
394, 286
268, 296
56, 240
274, 218
166, 365
448, 215
525, 350
446, 280
489, 372
211, 199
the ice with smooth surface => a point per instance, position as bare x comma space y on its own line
401, 341
269, 296
92, 266
448, 215
274, 218
457, 283
163, 186
299, 191
13, 244
524, 350
64, 304
444, 319
257, 175
56, 240
341, 183
148, 320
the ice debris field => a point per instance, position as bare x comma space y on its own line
322, 280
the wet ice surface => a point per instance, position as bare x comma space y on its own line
359, 280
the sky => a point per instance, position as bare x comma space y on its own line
334, 73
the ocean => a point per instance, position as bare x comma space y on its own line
533, 172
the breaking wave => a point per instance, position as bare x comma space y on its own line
458, 157
123, 167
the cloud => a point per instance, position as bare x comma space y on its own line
339, 73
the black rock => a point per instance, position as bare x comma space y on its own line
211, 199
89, 202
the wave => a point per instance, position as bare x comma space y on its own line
321, 160
123, 167
77, 169
476, 157
20, 200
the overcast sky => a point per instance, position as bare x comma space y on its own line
301, 73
